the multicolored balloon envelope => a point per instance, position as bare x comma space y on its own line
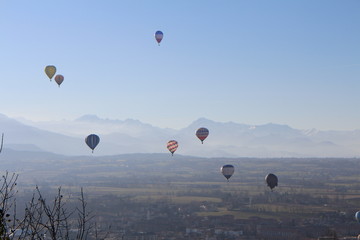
271, 180
50, 71
59, 79
159, 36
202, 133
92, 141
172, 145
227, 171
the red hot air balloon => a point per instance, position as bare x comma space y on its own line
59, 79
202, 133
172, 145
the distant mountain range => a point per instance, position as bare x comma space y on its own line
132, 136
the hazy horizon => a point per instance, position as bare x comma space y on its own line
58, 121
226, 139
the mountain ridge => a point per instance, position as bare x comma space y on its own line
226, 139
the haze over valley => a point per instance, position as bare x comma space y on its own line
226, 139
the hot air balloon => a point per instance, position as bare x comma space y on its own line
159, 36
227, 171
357, 216
50, 71
271, 180
59, 79
172, 145
202, 133
2, 142
92, 141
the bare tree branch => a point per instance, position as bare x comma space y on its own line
84, 217
7, 200
42, 219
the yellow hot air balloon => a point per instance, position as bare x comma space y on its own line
50, 71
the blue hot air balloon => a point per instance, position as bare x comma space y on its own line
357, 216
159, 36
92, 141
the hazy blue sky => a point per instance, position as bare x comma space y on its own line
254, 62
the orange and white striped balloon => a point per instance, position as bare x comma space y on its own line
172, 145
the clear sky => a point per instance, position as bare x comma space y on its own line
253, 62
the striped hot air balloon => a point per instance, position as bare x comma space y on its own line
92, 141
202, 133
172, 145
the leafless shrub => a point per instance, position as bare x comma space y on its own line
43, 218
